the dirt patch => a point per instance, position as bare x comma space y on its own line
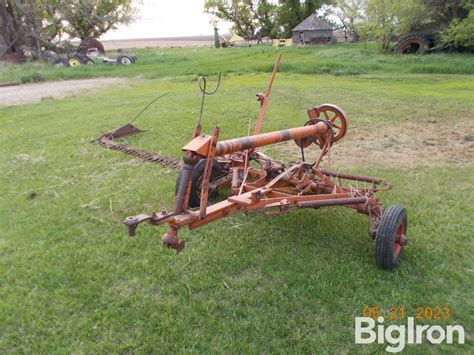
408, 144
29, 93
200, 41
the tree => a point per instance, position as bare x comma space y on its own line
240, 12
28, 26
350, 14
412, 15
92, 18
292, 12
380, 23
247, 16
267, 19
455, 19
18, 25
388, 18
459, 33
447, 23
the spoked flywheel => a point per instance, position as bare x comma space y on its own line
332, 115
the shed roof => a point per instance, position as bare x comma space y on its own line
312, 23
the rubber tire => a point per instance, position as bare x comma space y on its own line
69, 59
50, 57
84, 59
60, 62
198, 171
413, 38
386, 233
119, 60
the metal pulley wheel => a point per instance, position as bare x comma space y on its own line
331, 115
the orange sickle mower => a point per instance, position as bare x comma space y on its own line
210, 167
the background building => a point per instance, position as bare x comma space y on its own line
312, 30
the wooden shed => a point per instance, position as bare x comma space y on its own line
312, 31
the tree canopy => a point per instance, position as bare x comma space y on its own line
247, 16
31, 25
92, 18
292, 12
448, 22
266, 17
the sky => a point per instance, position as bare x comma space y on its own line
165, 18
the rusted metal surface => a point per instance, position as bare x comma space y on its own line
151, 157
260, 140
124, 131
107, 141
263, 98
333, 202
266, 185
207, 174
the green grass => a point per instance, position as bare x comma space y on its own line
71, 281
341, 59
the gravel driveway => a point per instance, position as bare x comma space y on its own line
29, 93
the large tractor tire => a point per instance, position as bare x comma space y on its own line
412, 44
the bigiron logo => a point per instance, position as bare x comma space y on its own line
397, 336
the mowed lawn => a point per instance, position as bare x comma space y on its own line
72, 281
341, 60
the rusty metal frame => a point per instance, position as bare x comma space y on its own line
271, 188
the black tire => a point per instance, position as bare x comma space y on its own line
73, 61
387, 250
198, 171
124, 60
84, 59
411, 44
50, 57
60, 62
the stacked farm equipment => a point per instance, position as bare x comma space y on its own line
86, 54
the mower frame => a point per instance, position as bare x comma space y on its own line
272, 187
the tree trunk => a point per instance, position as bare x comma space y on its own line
35, 34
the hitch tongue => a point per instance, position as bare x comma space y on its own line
155, 219
132, 224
